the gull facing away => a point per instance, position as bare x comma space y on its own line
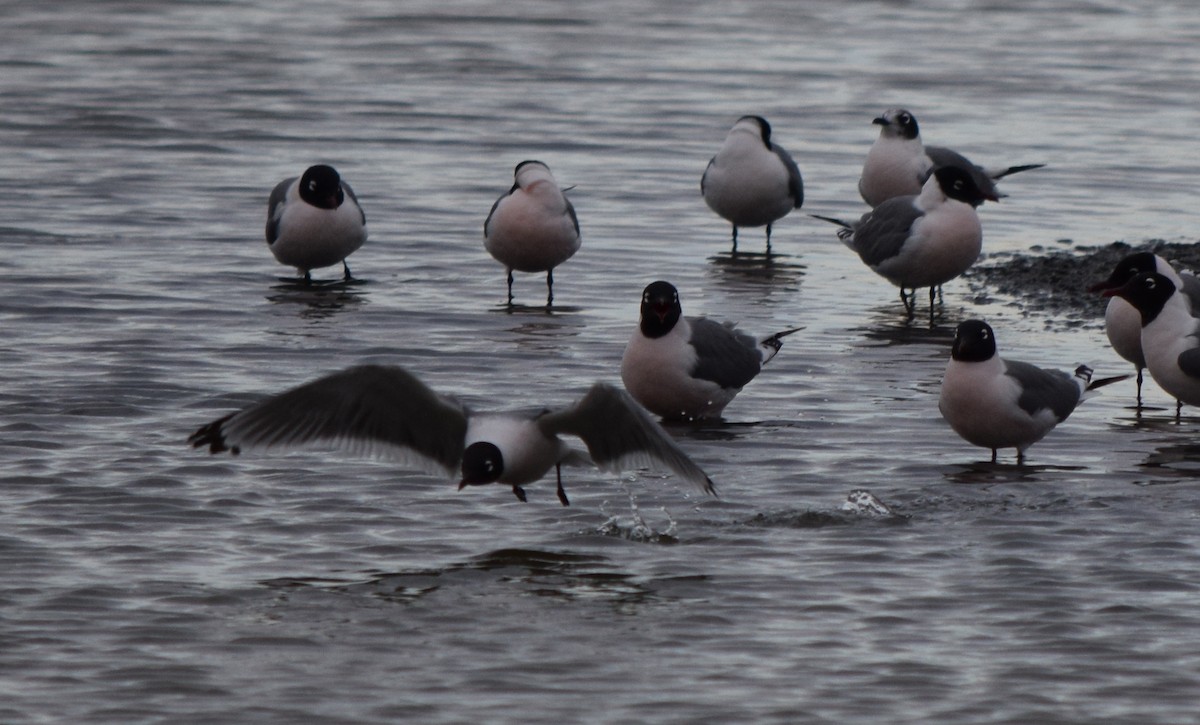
898, 164
386, 410
315, 221
996, 403
1123, 321
532, 227
1170, 334
920, 241
689, 368
752, 180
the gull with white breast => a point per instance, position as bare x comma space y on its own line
315, 221
898, 164
997, 403
1170, 334
752, 181
532, 227
689, 368
1123, 321
377, 409
920, 241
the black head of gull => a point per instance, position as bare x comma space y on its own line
321, 186
660, 309
898, 122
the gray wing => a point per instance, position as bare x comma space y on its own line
619, 435
1044, 389
725, 356
275, 208
795, 183
879, 234
350, 193
947, 157
488, 222
704, 176
1191, 291
571, 213
368, 409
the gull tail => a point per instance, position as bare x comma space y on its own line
845, 233
772, 344
1013, 170
1084, 373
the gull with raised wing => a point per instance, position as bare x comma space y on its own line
898, 164
376, 409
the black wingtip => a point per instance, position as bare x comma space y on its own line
831, 220
1107, 381
213, 436
1018, 169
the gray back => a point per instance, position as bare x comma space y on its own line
1044, 389
725, 356
880, 234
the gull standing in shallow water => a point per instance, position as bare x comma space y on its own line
898, 164
689, 368
997, 403
1123, 321
532, 227
315, 221
752, 181
1170, 334
376, 409
920, 241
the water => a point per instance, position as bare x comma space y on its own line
142, 581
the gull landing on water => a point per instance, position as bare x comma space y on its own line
376, 409
532, 227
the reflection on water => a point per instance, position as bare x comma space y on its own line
318, 300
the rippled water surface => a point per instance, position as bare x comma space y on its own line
142, 581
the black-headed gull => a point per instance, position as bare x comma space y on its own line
1170, 334
315, 221
920, 241
1123, 321
689, 368
376, 409
996, 403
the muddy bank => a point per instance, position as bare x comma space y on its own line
1050, 281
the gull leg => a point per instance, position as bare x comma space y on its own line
1139, 390
734, 251
549, 287
562, 495
768, 240
519, 493
346, 271
510, 281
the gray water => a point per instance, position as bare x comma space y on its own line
143, 582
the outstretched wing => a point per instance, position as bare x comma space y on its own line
620, 435
369, 409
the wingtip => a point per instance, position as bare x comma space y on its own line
212, 435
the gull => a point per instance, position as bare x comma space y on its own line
1170, 334
684, 368
920, 241
752, 181
314, 221
997, 403
377, 409
532, 227
898, 164
1123, 321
